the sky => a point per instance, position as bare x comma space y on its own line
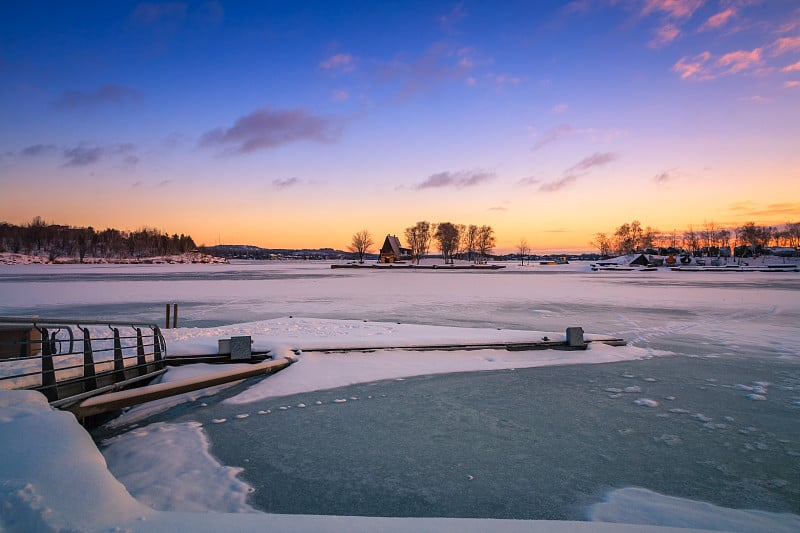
297, 124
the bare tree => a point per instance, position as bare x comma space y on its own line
523, 250
690, 239
446, 235
485, 242
419, 239
628, 237
602, 243
471, 242
361, 244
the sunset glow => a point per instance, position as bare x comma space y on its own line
296, 124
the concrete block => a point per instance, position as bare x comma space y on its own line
575, 337
240, 348
224, 346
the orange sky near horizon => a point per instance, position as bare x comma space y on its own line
286, 125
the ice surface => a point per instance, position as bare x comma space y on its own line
740, 326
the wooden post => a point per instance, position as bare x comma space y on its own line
166, 323
174, 316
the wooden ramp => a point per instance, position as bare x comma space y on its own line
118, 400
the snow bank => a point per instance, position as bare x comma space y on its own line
642, 506
317, 371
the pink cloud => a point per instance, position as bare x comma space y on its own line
791, 68
560, 108
694, 67
340, 95
673, 8
338, 62
664, 35
740, 60
785, 44
720, 19
791, 84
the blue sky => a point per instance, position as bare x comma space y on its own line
298, 123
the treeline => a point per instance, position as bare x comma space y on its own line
632, 237
454, 241
39, 237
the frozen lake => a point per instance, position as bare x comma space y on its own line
693, 313
717, 421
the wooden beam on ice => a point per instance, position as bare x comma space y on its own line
119, 400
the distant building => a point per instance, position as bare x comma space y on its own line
392, 252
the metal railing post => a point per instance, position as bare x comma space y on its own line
119, 362
48, 370
88, 361
141, 362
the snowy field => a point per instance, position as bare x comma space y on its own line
693, 424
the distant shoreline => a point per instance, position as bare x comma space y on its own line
7, 258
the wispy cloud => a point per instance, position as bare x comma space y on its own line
557, 185
450, 20
86, 154
552, 135
693, 67
665, 177
530, 180
107, 94
338, 63
340, 95
785, 44
560, 108
792, 68
791, 84
705, 67
677, 9
718, 20
501, 81
498, 208
37, 150
581, 168
594, 160
752, 209
459, 179
740, 60
287, 183
664, 35
438, 64
755, 98
266, 128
